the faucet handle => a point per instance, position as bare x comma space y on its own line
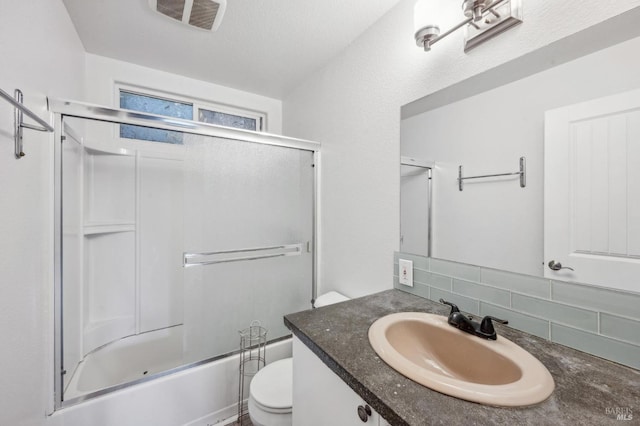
486, 326
454, 308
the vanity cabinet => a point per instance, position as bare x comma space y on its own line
321, 398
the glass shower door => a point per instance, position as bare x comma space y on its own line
249, 224
168, 250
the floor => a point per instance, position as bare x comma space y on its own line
244, 421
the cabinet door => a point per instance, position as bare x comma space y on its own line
320, 397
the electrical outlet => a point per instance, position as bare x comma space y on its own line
405, 272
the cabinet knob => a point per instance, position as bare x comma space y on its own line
364, 412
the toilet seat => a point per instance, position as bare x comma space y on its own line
260, 417
271, 394
271, 388
271, 409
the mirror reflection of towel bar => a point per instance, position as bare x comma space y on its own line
522, 173
225, 256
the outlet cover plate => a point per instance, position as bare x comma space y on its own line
405, 272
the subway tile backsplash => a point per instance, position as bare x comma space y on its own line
438, 281
600, 321
598, 299
530, 324
454, 269
556, 312
482, 292
620, 328
615, 350
466, 304
525, 284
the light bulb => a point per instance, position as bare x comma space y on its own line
424, 17
425, 14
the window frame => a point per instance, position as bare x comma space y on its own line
196, 103
257, 117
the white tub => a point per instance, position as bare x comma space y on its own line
128, 359
200, 396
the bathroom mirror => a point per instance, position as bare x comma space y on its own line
485, 124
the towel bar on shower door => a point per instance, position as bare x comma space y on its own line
211, 258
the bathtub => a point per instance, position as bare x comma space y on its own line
126, 360
200, 395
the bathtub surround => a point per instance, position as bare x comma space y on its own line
600, 321
121, 270
127, 360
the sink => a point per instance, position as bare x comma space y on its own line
427, 350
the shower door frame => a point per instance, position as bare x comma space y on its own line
61, 109
428, 166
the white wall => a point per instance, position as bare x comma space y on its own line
352, 106
495, 223
42, 55
103, 73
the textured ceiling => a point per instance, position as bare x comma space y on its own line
262, 46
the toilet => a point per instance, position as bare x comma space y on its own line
271, 390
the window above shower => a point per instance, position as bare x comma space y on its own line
183, 108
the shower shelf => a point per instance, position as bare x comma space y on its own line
108, 228
98, 150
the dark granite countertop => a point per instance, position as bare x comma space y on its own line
588, 388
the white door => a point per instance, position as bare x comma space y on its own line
592, 192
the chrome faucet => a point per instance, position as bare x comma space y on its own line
482, 329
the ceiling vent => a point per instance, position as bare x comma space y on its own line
203, 14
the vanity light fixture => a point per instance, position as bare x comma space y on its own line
484, 20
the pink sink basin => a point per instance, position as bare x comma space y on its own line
427, 350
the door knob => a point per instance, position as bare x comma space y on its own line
556, 266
